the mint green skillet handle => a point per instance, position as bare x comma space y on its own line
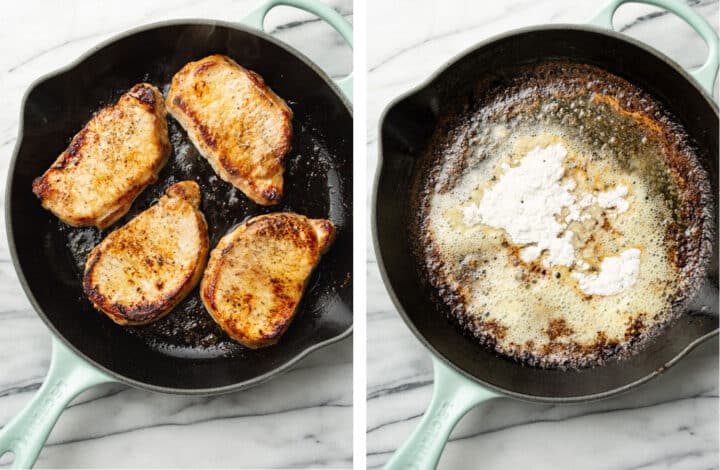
27, 432
706, 74
324, 12
453, 396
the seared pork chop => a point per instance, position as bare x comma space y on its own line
142, 270
118, 153
237, 123
257, 273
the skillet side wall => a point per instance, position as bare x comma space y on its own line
405, 132
58, 107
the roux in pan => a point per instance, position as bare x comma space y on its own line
561, 215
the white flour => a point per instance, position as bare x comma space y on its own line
614, 198
617, 273
526, 202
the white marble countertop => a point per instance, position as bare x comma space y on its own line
670, 423
301, 419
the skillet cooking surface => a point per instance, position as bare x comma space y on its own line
619, 135
406, 129
185, 349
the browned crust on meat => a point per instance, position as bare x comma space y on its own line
147, 96
185, 102
205, 133
147, 311
52, 198
313, 236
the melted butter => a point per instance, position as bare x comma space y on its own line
486, 266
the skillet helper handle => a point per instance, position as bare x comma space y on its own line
453, 396
707, 72
27, 432
322, 11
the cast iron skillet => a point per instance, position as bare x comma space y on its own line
184, 353
465, 373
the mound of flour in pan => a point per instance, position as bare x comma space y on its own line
527, 201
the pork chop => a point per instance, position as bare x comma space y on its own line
236, 122
142, 270
257, 273
118, 153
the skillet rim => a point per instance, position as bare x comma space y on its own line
205, 391
434, 76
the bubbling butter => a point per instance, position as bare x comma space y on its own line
548, 220
588, 259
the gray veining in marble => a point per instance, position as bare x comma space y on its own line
301, 419
670, 423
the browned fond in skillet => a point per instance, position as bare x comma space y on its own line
118, 153
257, 273
531, 308
142, 270
237, 122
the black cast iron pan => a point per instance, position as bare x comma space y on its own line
465, 373
185, 352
